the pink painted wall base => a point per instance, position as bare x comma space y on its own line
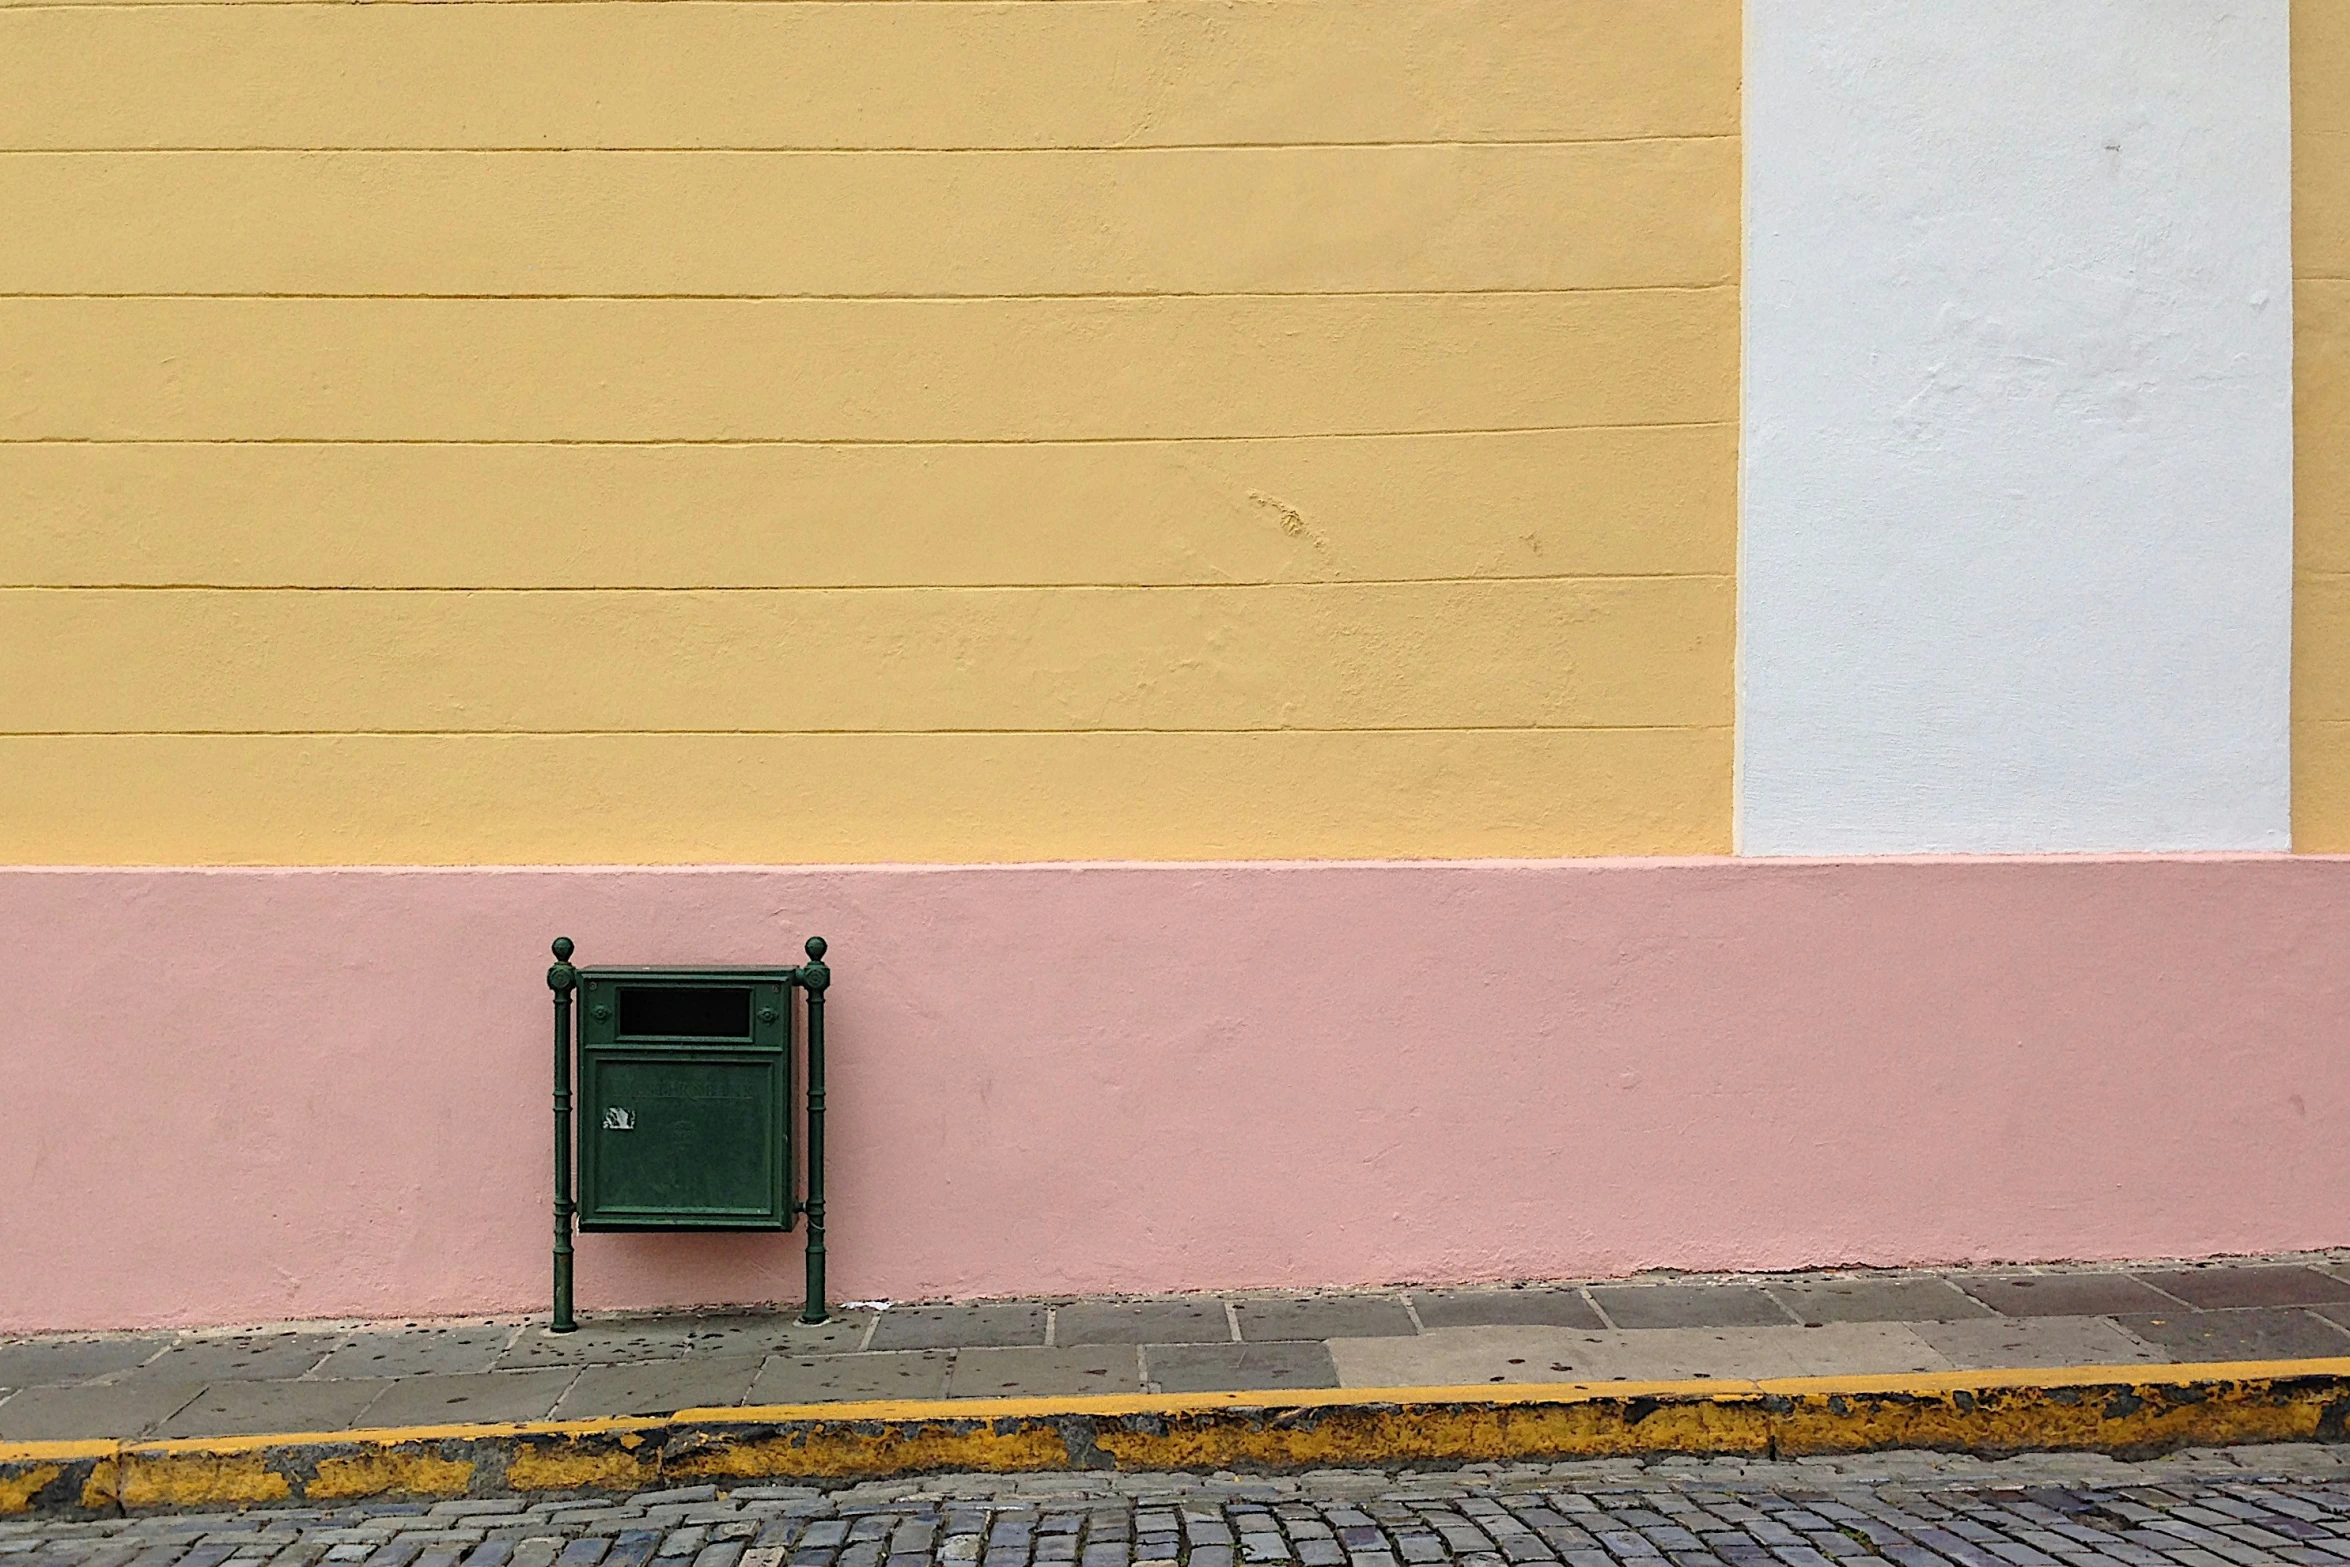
244, 1095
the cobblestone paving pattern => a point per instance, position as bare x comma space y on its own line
2237, 1508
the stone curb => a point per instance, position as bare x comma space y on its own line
2124, 1411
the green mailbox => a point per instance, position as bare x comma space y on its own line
685, 1103
685, 1110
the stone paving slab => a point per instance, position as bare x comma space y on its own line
1556, 1308
1815, 1303
1669, 1306
360, 1376
256, 1408
1463, 1356
2035, 1341
468, 1397
1238, 1368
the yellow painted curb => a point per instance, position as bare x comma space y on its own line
2123, 1410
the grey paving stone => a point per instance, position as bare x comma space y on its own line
2064, 1294
416, 1352
2027, 1342
1142, 1322
953, 1327
467, 1397
56, 1414
60, 1362
659, 1387
1448, 1357
779, 1332
1495, 1308
2338, 1315
2218, 1287
1459, 1356
818, 1379
1275, 1318
250, 1408
257, 1357
1689, 1306
598, 1343
2251, 1334
1227, 1368
1820, 1301
1015, 1373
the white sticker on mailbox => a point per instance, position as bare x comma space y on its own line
619, 1120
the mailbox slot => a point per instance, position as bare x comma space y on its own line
683, 1012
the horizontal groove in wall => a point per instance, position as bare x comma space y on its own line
684, 297
309, 800
748, 731
1180, 72
1556, 503
1507, 653
455, 588
582, 149
836, 443
539, 370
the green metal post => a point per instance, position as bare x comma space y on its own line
814, 977
562, 979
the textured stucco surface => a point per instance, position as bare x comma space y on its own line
2321, 424
254, 1094
2016, 531
867, 432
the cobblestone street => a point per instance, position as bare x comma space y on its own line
2233, 1508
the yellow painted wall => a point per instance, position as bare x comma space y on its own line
731, 431
2321, 424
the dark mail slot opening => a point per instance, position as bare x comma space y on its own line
685, 1012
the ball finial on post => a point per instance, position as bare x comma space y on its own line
562, 977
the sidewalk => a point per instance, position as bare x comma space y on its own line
320, 1378
2123, 1361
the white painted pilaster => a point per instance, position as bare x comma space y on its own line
2016, 518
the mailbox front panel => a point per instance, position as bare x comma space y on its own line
684, 1103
